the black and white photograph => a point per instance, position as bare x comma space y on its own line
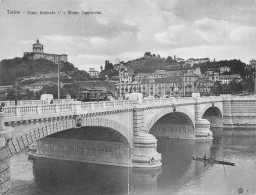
127, 97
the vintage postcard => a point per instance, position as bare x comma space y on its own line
121, 97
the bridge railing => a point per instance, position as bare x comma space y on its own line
24, 102
22, 110
252, 97
37, 102
106, 104
210, 98
36, 109
170, 101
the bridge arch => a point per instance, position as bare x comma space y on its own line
22, 141
182, 111
111, 124
213, 107
214, 115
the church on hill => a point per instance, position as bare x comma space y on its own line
38, 53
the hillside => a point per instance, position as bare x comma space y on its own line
151, 64
12, 69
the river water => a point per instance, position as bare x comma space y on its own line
179, 174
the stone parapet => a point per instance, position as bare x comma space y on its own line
144, 152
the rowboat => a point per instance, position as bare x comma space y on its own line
213, 161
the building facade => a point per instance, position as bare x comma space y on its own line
38, 53
226, 79
93, 73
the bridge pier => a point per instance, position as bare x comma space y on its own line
144, 151
202, 126
144, 144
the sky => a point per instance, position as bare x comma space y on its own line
126, 29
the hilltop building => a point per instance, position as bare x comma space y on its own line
38, 53
93, 73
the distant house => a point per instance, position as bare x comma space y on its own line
93, 73
192, 61
253, 63
224, 69
179, 60
35, 87
226, 79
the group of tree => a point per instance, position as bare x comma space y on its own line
11, 69
148, 54
234, 87
18, 94
108, 71
236, 66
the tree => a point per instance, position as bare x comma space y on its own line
147, 54
11, 94
216, 88
108, 65
169, 59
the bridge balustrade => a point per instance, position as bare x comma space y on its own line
65, 107
71, 105
27, 110
253, 97
24, 102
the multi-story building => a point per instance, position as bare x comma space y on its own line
38, 53
205, 86
127, 75
152, 86
190, 83
93, 73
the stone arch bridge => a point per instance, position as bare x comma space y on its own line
131, 121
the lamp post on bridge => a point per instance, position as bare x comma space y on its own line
119, 74
59, 64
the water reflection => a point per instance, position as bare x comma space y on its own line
178, 175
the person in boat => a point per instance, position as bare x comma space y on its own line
205, 158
